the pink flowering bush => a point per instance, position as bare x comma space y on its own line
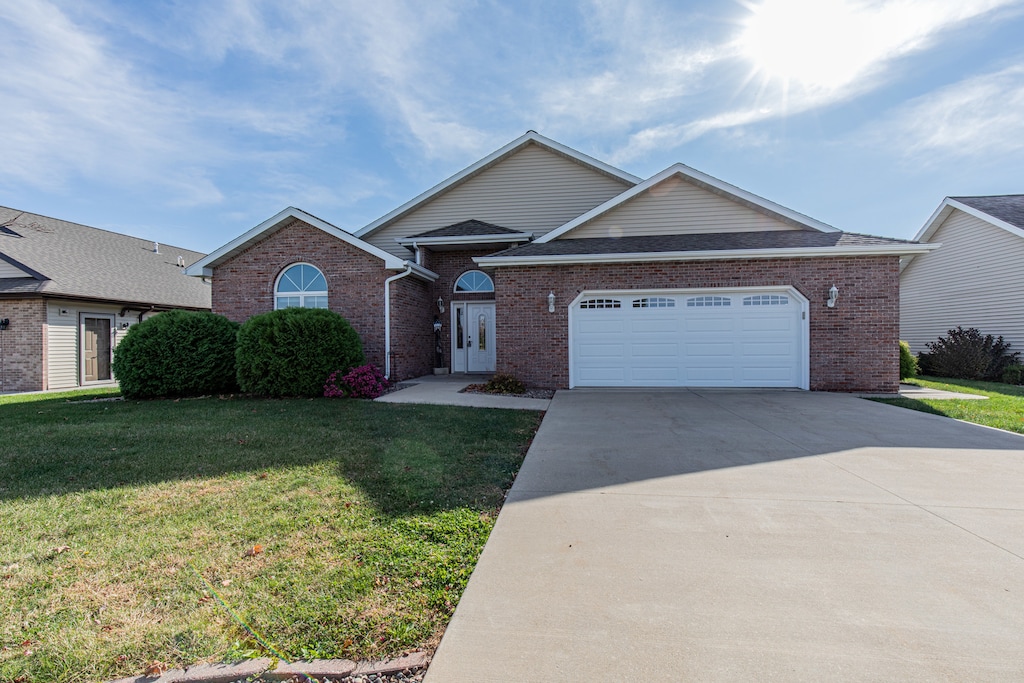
365, 381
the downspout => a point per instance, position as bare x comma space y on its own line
416, 250
387, 317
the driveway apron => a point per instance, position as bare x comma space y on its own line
727, 535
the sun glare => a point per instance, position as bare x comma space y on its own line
818, 44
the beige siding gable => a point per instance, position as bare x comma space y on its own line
7, 270
533, 190
673, 207
974, 279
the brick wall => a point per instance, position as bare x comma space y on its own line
412, 328
853, 347
243, 286
450, 265
23, 345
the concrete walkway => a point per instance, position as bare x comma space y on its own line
444, 390
915, 391
749, 535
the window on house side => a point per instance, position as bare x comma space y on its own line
301, 286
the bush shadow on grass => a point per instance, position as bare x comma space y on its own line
407, 459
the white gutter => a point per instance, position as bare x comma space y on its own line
709, 255
387, 317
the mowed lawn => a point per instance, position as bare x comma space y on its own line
218, 529
1003, 409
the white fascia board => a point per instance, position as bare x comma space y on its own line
421, 272
521, 141
202, 267
946, 208
717, 255
469, 239
691, 174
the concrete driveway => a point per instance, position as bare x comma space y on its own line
729, 535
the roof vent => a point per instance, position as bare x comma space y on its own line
181, 261
156, 247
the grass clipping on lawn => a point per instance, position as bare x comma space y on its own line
136, 532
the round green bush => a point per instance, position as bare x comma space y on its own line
908, 362
177, 353
291, 352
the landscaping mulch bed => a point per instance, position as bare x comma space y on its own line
529, 393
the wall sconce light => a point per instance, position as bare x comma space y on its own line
833, 294
440, 304
551, 302
4, 324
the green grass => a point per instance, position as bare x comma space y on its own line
126, 525
1004, 408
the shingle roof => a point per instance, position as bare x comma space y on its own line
79, 261
466, 229
1005, 207
719, 241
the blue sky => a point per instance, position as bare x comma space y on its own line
191, 122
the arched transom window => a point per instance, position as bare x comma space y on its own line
474, 281
301, 286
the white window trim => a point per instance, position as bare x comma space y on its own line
302, 295
456, 290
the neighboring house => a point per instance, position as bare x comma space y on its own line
558, 268
68, 294
974, 280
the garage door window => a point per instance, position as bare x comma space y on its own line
601, 303
654, 302
766, 300
708, 301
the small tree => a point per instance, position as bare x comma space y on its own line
289, 352
968, 354
177, 353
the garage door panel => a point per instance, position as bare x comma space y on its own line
706, 345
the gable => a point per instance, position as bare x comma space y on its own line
675, 207
10, 270
533, 190
971, 280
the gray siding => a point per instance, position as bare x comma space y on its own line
534, 190
62, 339
974, 279
674, 207
7, 270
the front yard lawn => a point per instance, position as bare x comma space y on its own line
140, 531
1004, 408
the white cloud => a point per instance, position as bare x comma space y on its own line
829, 58
979, 117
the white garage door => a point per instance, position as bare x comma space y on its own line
699, 339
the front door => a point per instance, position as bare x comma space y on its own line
96, 346
473, 337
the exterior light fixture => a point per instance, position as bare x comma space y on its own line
4, 324
833, 294
551, 302
437, 324
440, 304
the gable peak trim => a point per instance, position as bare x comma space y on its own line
947, 206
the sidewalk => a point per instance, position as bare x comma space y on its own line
444, 390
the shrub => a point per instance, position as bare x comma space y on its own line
177, 353
290, 351
908, 363
366, 381
1013, 374
967, 354
504, 384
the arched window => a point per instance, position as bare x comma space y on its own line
474, 281
301, 286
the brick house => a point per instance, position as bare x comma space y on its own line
543, 262
69, 293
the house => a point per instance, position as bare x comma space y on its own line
974, 280
565, 271
68, 294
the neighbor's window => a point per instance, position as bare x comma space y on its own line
474, 281
301, 286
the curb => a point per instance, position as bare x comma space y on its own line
253, 670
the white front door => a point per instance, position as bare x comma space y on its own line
473, 337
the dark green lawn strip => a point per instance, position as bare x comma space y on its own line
1004, 408
370, 518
